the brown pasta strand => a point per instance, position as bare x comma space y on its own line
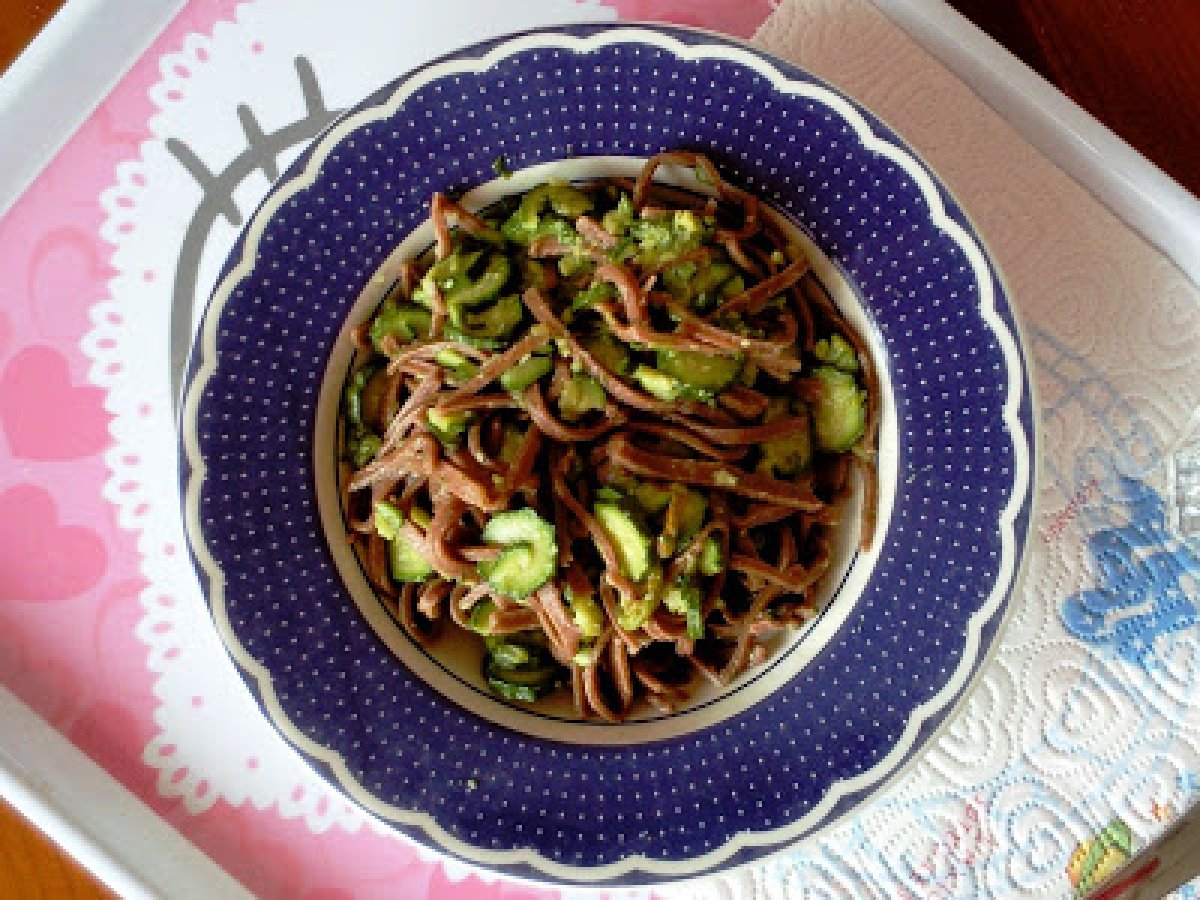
715, 476
535, 404
753, 299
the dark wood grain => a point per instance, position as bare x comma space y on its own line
32, 868
1133, 64
20, 20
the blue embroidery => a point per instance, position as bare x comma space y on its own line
1145, 578
1189, 782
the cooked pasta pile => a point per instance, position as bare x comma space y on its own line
606, 429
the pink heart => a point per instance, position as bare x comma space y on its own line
46, 417
42, 561
66, 271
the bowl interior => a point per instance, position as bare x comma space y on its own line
452, 664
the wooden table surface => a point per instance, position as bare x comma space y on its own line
1133, 64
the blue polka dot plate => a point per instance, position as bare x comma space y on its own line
838, 707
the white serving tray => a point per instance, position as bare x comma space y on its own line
73, 65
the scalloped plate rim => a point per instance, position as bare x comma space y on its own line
783, 77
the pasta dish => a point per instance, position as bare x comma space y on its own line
606, 430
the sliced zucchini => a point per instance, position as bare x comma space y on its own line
630, 540
518, 668
650, 498
565, 200
634, 612
574, 264
466, 292
700, 370
420, 516
445, 274
686, 600
524, 684
525, 373
362, 446
678, 597
510, 443
481, 614
510, 690
455, 362
659, 384
520, 231
836, 351
711, 561
711, 277
406, 561
530, 554
454, 333
677, 279
447, 427
699, 286
652, 233
361, 396
509, 656
840, 416
609, 352
588, 616
405, 323
529, 221
497, 320
388, 519
790, 454
352, 397
595, 292
618, 219
663, 238
685, 514
533, 274
581, 395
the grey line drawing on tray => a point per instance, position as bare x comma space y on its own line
262, 153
